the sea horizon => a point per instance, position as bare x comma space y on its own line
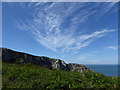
106, 69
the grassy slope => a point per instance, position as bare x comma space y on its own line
30, 76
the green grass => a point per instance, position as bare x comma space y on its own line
31, 76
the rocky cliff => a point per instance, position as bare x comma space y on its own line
11, 56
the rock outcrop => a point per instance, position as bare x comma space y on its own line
23, 58
77, 67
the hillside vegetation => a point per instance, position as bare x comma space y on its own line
32, 76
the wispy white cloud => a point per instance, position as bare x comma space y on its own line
54, 25
60, 0
113, 47
106, 7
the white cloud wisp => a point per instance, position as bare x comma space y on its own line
113, 47
54, 25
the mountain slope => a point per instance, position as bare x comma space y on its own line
32, 76
22, 70
23, 58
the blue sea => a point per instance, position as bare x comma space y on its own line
108, 70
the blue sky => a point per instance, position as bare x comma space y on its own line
84, 33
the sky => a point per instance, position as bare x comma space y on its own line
76, 32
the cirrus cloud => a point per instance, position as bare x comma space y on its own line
54, 25
113, 47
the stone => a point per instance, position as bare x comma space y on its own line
78, 67
11, 56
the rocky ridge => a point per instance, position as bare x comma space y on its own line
11, 56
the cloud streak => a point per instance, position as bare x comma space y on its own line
113, 47
54, 25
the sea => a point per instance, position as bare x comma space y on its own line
108, 70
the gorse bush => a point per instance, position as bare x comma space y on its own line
31, 76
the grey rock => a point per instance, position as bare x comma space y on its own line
77, 67
11, 56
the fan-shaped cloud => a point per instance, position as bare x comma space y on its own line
54, 25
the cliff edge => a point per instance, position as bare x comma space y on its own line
11, 56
